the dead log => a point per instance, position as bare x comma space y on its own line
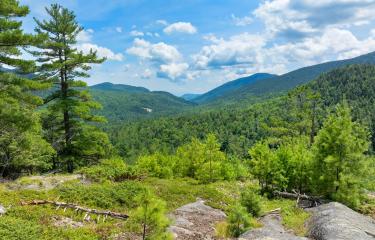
78, 208
314, 201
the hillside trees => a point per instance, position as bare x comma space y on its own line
21, 144
201, 160
70, 105
340, 163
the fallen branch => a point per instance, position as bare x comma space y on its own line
313, 199
78, 209
274, 211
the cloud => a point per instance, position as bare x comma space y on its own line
147, 74
158, 52
295, 19
173, 71
237, 50
85, 35
244, 21
85, 44
101, 51
119, 29
136, 33
165, 59
180, 27
162, 22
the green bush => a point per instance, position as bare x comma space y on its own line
15, 229
156, 165
238, 221
110, 169
251, 201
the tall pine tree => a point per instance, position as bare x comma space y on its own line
340, 163
21, 145
70, 104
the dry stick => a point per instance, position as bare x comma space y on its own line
274, 211
315, 200
78, 208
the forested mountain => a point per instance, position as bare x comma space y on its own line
238, 129
190, 96
124, 103
119, 87
232, 86
285, 82
128, 103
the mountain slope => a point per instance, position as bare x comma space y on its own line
231, 86
124, 102
283, 83
119, 87
190, 96
239, 128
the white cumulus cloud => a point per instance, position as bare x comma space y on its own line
85, 44
173, 71
159, 52
180, 27
101, 51
136, 33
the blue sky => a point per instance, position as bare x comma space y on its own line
192, 46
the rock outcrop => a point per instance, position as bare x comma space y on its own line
195, 221
334, 221
272, 229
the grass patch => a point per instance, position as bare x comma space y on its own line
293, 217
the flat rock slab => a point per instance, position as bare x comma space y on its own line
272, 229
65, 222
195, 221
334, 221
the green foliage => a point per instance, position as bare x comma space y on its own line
113, 169
251, 201
293, 217
157, 165
70, 105
150, 216
122, 103
201, 160
238, 221
21, 145
339, 157
267, 167
14, 229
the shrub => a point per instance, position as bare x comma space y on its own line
110, 169
14, 229
251, 201
150, 217
238, 221
156, 165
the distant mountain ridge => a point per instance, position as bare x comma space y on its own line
127, 103
231, 86
285, 82
118, 87
190, 96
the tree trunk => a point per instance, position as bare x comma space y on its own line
312, 132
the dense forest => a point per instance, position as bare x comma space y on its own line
316, 139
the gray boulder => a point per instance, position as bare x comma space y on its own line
272, 230
334, 221
195, 221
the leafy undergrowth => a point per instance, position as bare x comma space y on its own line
36, 222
